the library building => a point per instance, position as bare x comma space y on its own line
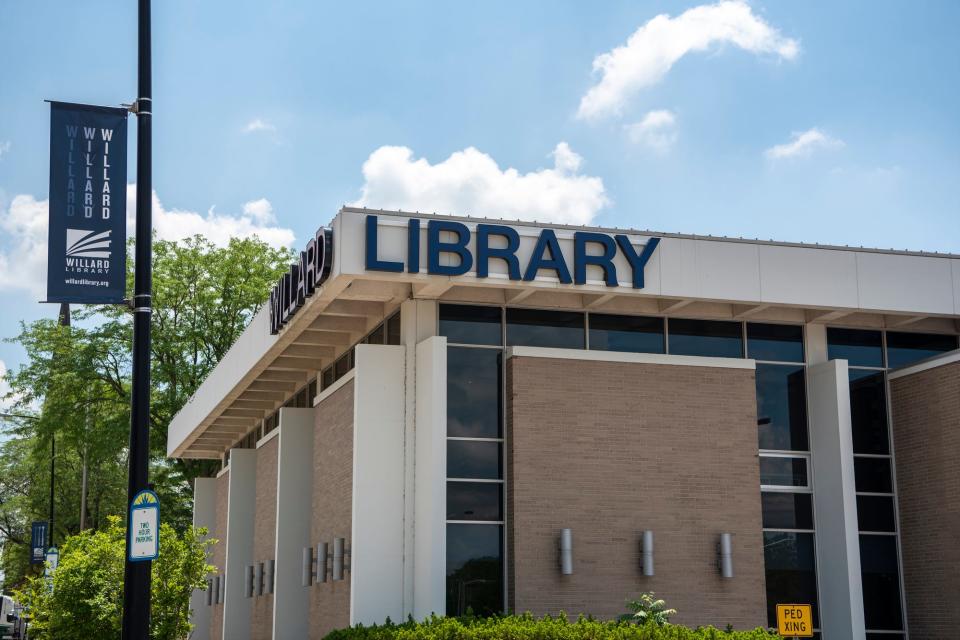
449, 415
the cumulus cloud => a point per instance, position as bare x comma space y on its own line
802, 144
23, 249
4, 148
470, 182
656, 46
655, 130
259, 124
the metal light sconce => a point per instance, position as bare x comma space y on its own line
259, 578
316, 566
218, 584
566, 552
337, 566
271, 575
308, 568
646, 553
248, 581
209, 592
323, 552
725, 555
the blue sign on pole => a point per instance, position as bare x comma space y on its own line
86, 252
38, 542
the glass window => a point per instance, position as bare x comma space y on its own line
779, 342
907, 348
464, 324
881, 582
536, 328
781, 407
474, 569
637, 334
393, 329
791, 571
859, 347
714, 338
328, 377
873, 475
344, 364
311, 392
868, 412
473, 392
474, 459
474, 501
787, 510
875, 513
778, 471
377, 335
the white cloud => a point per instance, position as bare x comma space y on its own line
259, 124
655, 130
657, 45
803, 144
23, 226
4, 148
470, 182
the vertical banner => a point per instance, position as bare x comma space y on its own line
38, 542
86, 252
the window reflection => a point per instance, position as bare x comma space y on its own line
536, 328
636, 334
781, 407
907, 348
881, 582
783, 472
791, 571
473, 459
713, 338
777, 342
876, 513
859, 347
473, 392
787, 510
474, 569
873, 475
466, 324
868, 412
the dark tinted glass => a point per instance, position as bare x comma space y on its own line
464, 324
311, 391
868, 412
881, 582
873, 475
791, 571
859, 347
474, 501
783, 510
705, 338
884, 636
473, 392
907, 348
474, 569
393, 329
328, 377
784, 472
377, 335
636, 334
344, 364
781, 342
473, 459
535, 328
781, 407
875, 513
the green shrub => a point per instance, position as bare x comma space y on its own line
526, 627
648, 609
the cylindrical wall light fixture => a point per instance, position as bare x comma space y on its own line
271, 572
259, 579
222, 589
725, 555
337, 569
306, 569
210, 592
248, 581
646, 553
323, 552
566, 552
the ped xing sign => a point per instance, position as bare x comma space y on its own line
86, 249
144, 529
795, 620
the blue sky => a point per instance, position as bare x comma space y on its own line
800, 121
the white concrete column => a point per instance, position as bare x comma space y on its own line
291, 602
241, 503
204, 515
835, 501
430, 500
376, 551
815, 338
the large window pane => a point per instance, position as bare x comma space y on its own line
474, 501
859, 347
780, 342
473, 392
393, 329
536, 328
782, 510
781, 407
868, 412
636, 334
783, 472
906, 348
705, 338
876, 513
881, 582
465, 324
791, 572
873, 475
473, 459
474, 569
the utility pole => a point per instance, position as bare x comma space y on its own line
136, 584
64, 322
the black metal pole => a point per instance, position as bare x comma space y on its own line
136, 586
64, 322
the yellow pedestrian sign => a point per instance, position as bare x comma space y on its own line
795, 620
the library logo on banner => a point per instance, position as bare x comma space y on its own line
87, 251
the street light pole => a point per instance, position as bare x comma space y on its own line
64, 322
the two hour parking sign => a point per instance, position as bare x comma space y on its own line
144, 527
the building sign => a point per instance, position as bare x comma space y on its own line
144, 529
589, 248
795, 620
303, 279
38, 542
86, 251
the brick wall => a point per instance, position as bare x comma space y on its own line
332, 504
264, 535
926, 435
219, 555
610, 449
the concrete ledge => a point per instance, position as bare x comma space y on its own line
636, 358
332, 389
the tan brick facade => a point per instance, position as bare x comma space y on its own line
218, 557
926, 434
611, 449
332, 504
264, 536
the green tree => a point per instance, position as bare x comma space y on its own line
87, 595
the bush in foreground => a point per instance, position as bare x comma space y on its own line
526, 627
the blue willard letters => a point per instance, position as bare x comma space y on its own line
546, 254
